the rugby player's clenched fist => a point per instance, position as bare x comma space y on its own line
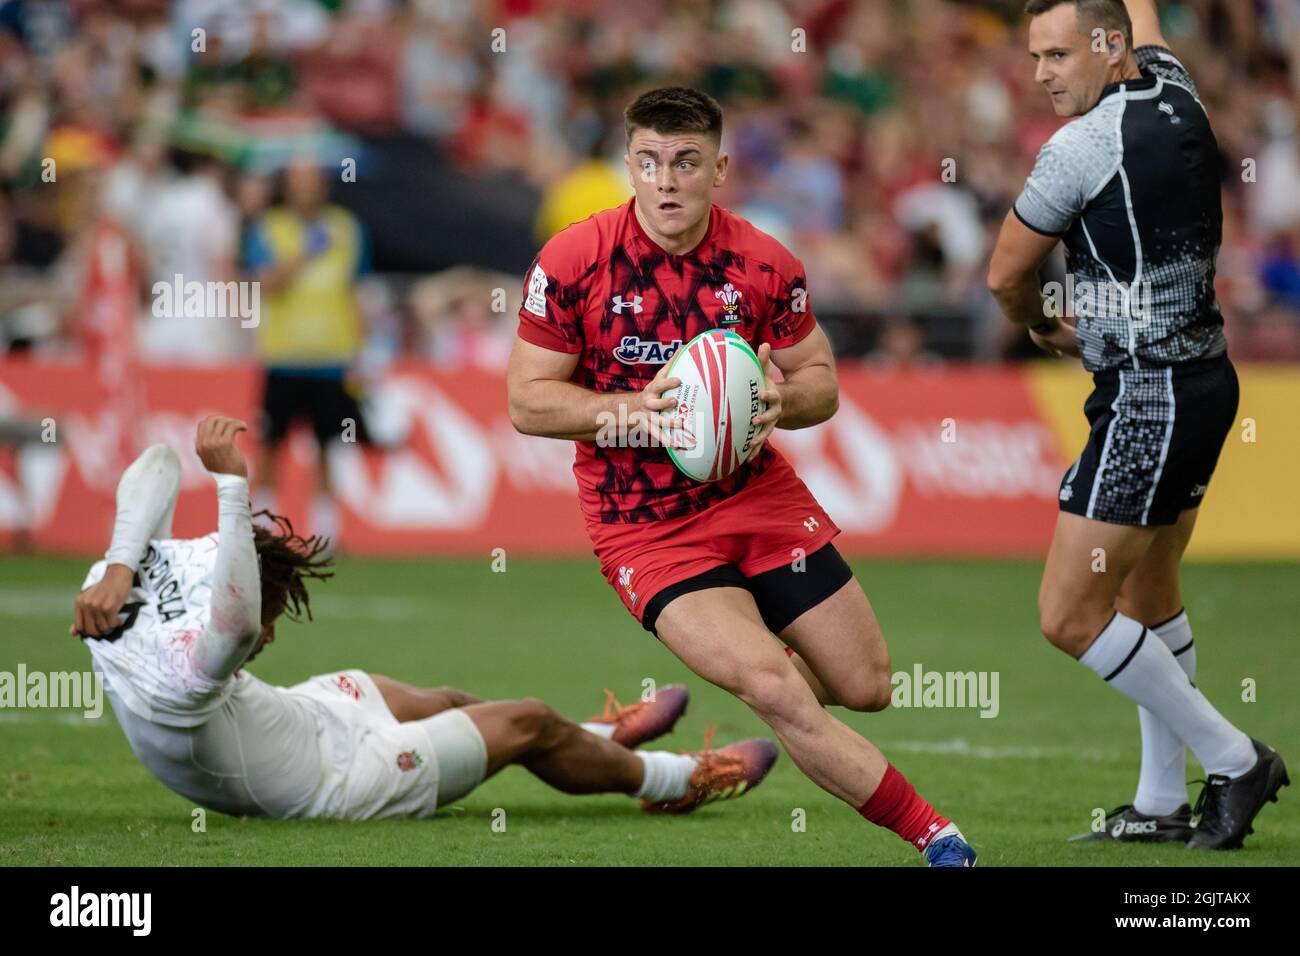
215, 445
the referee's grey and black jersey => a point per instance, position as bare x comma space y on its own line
1132, 187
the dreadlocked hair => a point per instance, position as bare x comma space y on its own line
286, 561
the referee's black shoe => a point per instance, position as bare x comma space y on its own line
1126, 825
1228, 806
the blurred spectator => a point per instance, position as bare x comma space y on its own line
882, 141
588, 188
190, 233
28, 250
466, 319
902, 346
307, 255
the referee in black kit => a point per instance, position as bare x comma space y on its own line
1131, 186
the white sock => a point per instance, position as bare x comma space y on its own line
1162, 782
1144, 670
667, 775
325, 517
600, 730
948, 830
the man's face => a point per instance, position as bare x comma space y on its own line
304, 187
1070, 67
674, 175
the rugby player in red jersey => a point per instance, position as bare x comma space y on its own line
713, 569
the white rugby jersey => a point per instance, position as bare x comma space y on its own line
147, 661
210, 732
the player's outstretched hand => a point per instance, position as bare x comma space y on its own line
767, 421
216, 448
1062, 340
95, 611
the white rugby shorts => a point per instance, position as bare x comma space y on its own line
374, 766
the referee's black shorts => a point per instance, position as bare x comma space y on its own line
1155, 440
320, 396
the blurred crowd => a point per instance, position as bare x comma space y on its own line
882, 141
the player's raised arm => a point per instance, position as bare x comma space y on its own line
236, 617
146, 501
1146, 23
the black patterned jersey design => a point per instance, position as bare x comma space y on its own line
603, 290
1133, 189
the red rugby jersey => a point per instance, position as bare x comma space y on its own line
603, 289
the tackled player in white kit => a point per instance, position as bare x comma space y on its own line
172, 623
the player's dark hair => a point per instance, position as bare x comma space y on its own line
1107, 14
674, 109
286, 562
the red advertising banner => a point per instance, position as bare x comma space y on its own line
957, 461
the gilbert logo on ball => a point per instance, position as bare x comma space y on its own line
710, 432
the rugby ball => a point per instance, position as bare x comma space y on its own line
709, 433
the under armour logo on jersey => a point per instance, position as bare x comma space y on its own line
618, 305
811, 523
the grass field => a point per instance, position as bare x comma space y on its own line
1018, 784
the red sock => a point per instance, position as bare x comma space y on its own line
897, 806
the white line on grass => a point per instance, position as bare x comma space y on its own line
963, 748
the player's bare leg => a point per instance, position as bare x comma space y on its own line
842, 651
824, 697
1087, 564
577, 761
1151, 593
719, 634
593, 757
407, 702
529, 733
630, 725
